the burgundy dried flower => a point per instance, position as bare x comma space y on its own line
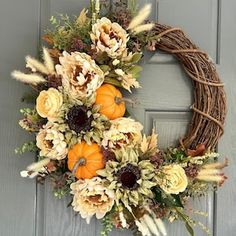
157, 159
54, 81
78, 45
158, 210
108, 155
191, 171
123, 17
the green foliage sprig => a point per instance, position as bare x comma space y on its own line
27, 147
65, 30
107, 226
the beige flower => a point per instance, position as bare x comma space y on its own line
81, 20
80, 74
48, 103
51, 142
148, 144
123, 132
109, 37
174, 180
91, 197
127, 80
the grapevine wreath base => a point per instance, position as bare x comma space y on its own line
84, 140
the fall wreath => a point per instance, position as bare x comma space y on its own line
87, 144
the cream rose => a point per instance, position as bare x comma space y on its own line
91, 197
109, 37
80, 75
123, 132
48, 103
174, 180
51, 142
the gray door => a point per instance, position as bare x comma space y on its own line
27, 209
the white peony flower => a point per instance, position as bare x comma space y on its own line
123, 132
91, 197
51, 142
80, 75
109, 37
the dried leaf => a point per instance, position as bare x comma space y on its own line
199, 151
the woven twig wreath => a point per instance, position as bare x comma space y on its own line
209, 106
86, 144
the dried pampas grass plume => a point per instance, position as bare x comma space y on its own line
45, 68
35, 65
48, 61
82, 17
141, 17
141, 28
33, 79
37, 166
213, 172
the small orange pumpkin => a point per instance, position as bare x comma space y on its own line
84, 160
111, 101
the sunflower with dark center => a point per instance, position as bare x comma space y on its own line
78, 119
130, 177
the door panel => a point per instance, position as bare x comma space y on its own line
226, 197
167, 124
26, 209
18, 37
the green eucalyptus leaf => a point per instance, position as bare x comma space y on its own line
169, 200
187, 221
136, 57
135, 70
113, 81
176, 199
127, 114
158, 195
189, 229
105, 68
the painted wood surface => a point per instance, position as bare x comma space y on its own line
27, 209
18, 37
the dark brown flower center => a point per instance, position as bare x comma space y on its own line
48, 144
76, 73
128, 176
78, 119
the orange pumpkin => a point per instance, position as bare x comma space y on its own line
111, 101
84, 160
